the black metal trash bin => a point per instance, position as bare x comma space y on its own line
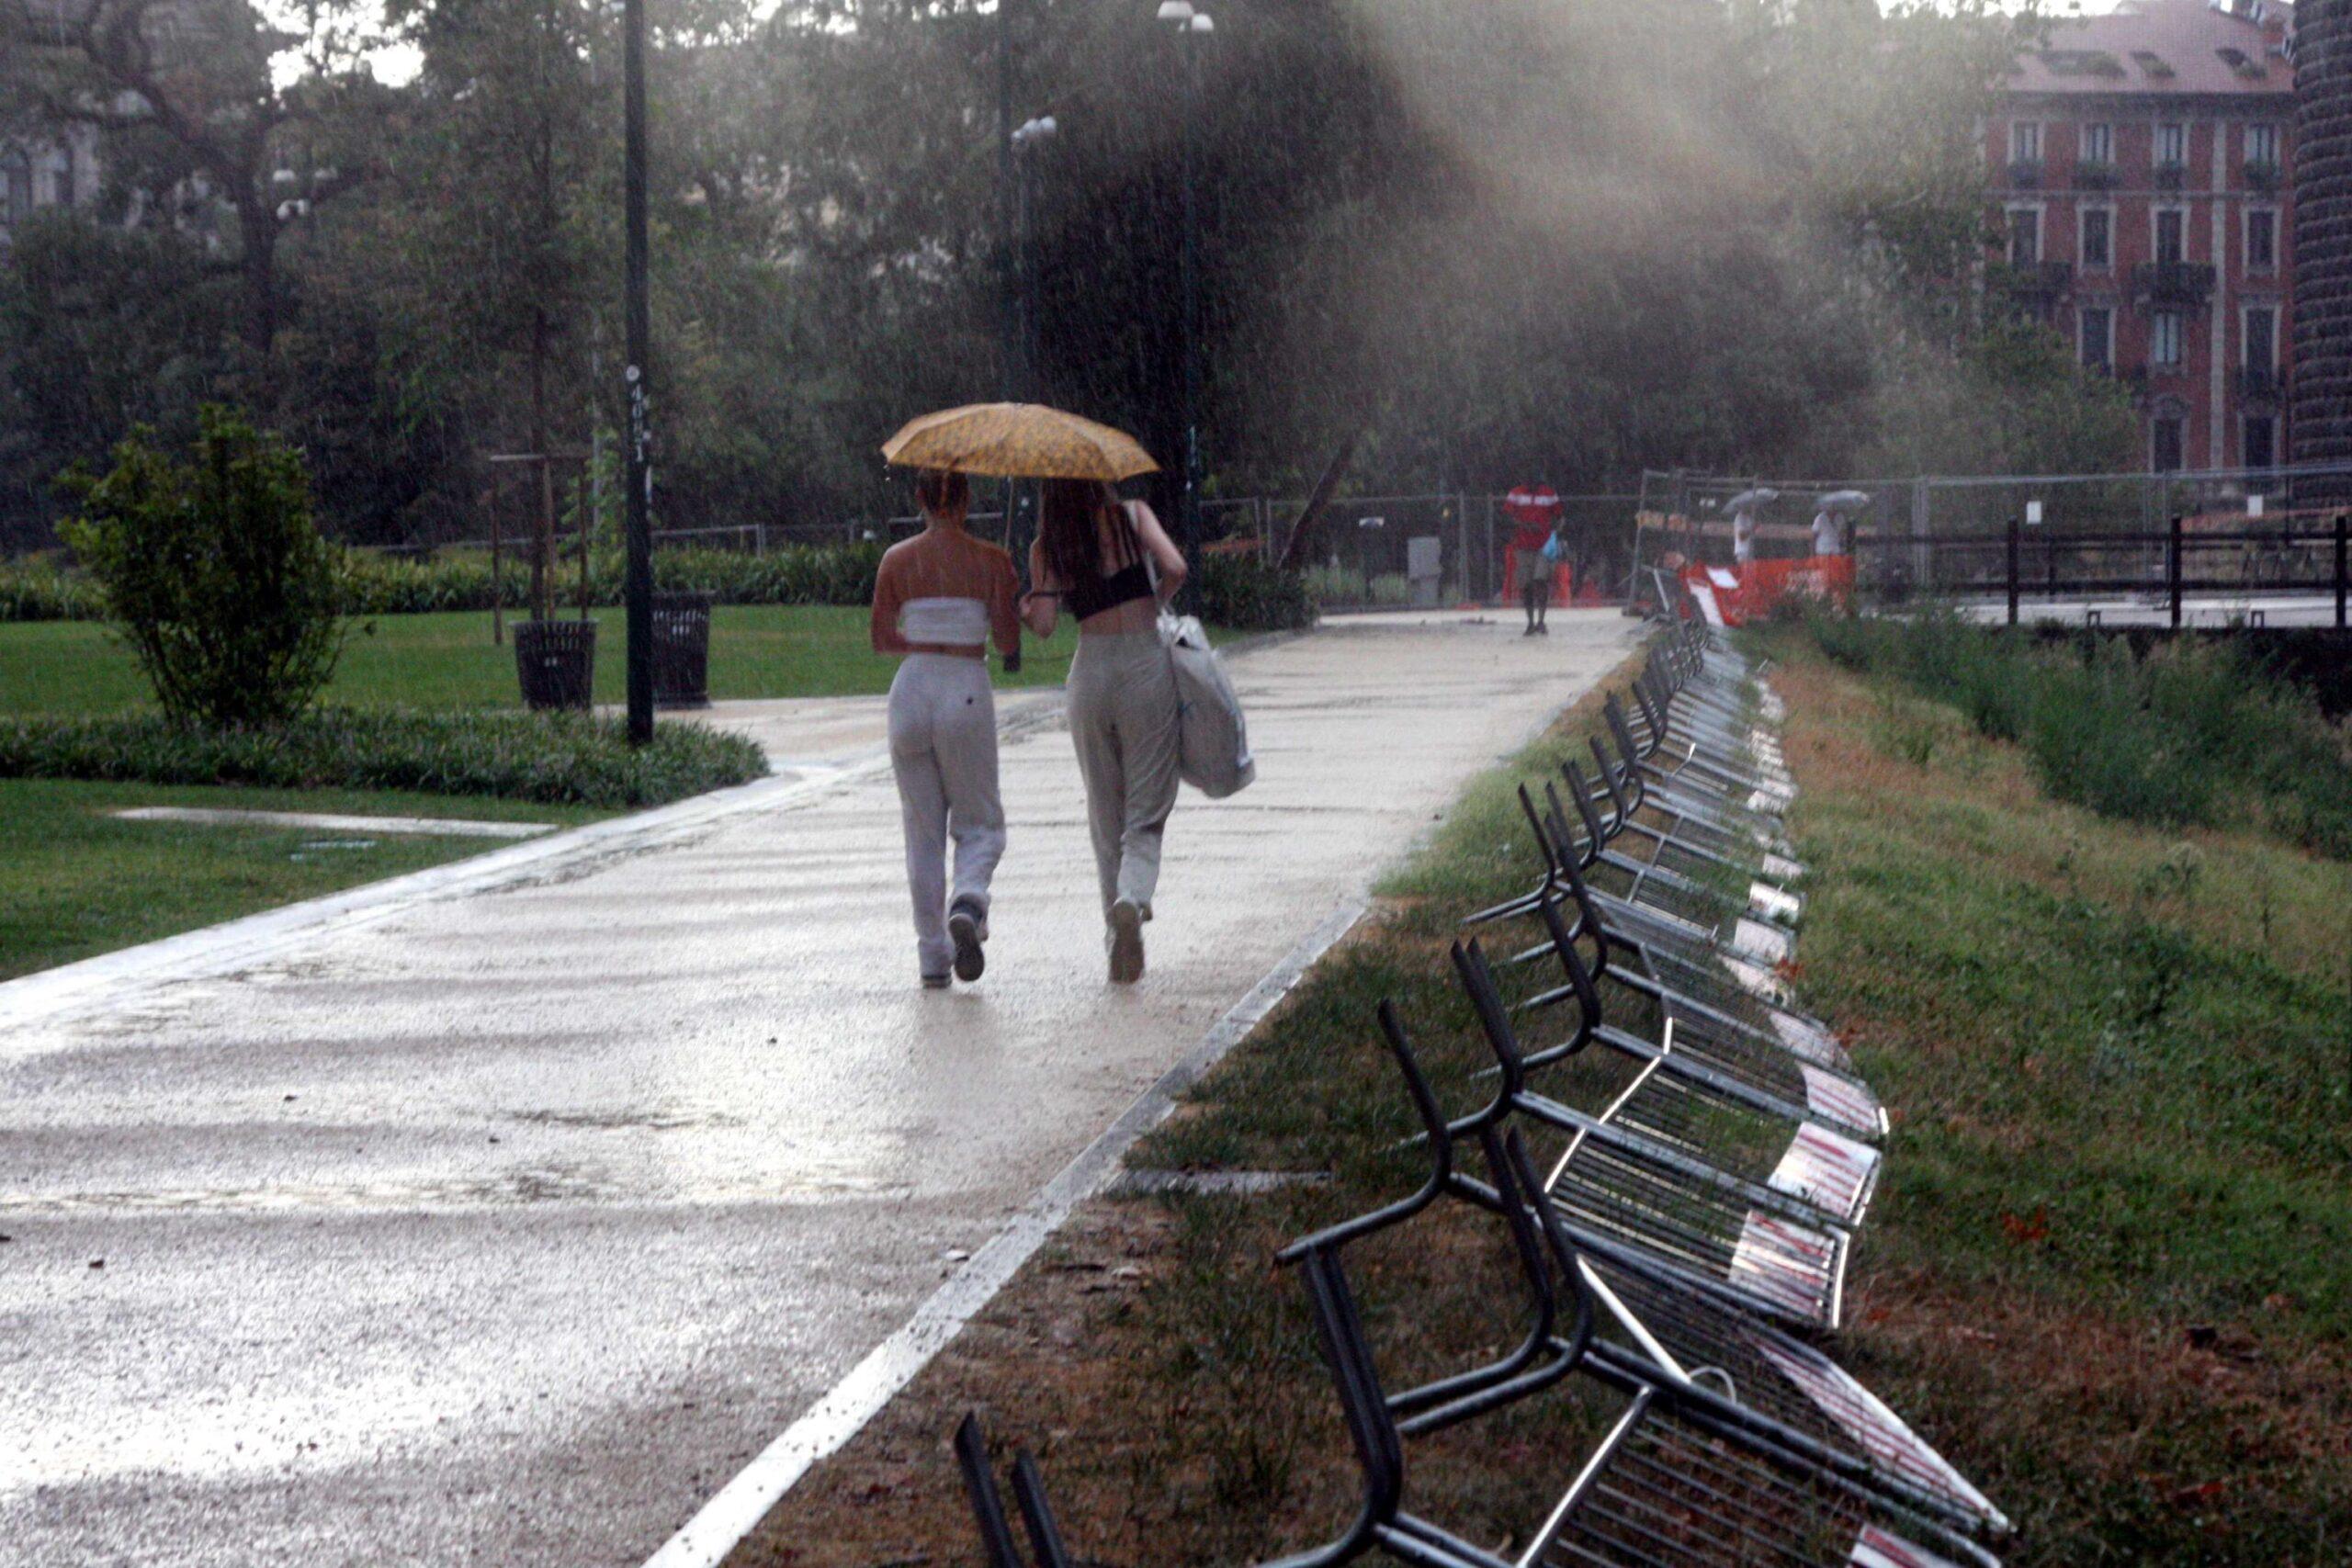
681, 651
557, 662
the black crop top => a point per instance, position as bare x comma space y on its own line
1130, 581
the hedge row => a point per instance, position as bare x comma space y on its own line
1234, 592
570, 759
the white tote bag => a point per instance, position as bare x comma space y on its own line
1212, 740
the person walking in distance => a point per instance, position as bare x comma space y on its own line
938, 599
1534, 571
1112, 566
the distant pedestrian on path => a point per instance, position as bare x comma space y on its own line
1534, 556
1112, 566
1743, 537
938, 599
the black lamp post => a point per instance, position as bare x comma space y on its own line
1194, 26
1026, 142
638, 581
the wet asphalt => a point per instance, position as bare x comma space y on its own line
505, 1230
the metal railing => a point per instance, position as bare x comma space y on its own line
2302, 558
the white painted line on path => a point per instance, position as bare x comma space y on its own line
111, 980
832, 1421
329, 822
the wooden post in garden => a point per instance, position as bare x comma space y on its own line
2172, 568
2015, 546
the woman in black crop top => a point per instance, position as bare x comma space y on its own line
1112, 565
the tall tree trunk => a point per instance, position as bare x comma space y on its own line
257, 270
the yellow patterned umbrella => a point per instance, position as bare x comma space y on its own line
1026, 440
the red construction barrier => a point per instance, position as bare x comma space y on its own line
1761, 587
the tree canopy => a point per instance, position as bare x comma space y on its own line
1554, 238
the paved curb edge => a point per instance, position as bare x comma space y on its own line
738, 1508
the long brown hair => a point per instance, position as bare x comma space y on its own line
1070, 528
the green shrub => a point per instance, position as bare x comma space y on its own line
38, 590
1390, 588
1244, 594
798, 574
570, 758
2191, 732
219, 578
1335, 585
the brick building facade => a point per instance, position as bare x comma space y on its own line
2143, 162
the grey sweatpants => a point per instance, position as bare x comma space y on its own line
942, 747
1123, 718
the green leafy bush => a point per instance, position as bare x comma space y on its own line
798, 574
37, 590
2192, 731
1335, 585
557, 758
228, 596
1244, 594
386, 585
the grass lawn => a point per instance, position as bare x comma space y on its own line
2105, 1274
448, 662
75, 881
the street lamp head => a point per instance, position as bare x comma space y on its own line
1201, 22
1177, 11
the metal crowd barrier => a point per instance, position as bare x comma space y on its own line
1689, 1235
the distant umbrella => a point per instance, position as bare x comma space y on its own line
1845, 502
1026, 440
1536, 504
1750, 500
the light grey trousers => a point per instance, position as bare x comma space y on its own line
943, 747
1123, 718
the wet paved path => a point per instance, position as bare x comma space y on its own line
504, 1229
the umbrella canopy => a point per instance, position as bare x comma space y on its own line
1540, 503
1844, 501
1750, 500
1024, 441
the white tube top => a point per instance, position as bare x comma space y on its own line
952, 622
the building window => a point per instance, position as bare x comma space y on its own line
2025, 141
2165, 443
2261, 240
2099, 237
2163, 338
60, 182
2098, 337
2262, 144
2098, 144
2025, 236
2261, 441
2172, 145
15, 188
2172, 229
2261, 337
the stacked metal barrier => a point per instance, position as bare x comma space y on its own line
1686, 1248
